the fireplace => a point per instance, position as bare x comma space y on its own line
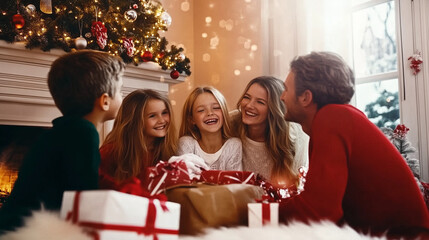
15, 141
26, 106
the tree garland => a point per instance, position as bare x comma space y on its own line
128, 29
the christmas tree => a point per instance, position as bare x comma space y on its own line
399, 139
129, 29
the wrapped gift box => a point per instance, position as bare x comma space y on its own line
114, 215
227, 177
263, 214
211, 206
164, 175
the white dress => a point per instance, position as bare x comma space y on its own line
228, 157
256, 157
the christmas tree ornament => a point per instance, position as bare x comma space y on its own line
174, 74
46, 6
130, 15
30, 8
135, 6
18, 21
100, 32
80, 42
160, 55
166, 19
129, 46
415, 61
146, 56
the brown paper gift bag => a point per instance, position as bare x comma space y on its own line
204, 206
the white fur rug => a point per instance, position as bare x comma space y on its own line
44, 225
294, 231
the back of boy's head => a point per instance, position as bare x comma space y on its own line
77, 79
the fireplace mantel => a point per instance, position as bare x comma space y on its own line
24, 96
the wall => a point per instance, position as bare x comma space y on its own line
223, 39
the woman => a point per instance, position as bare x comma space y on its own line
272, 147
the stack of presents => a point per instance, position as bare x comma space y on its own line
168, 203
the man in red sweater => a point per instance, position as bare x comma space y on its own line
356, 176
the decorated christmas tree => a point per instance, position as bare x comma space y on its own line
126, 28
398, 137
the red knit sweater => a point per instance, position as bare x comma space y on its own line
107, 169
356, 176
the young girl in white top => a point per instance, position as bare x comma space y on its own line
206, 130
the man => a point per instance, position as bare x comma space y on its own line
356, 176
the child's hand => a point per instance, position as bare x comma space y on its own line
194, 163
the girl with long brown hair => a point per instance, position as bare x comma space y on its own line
142, 135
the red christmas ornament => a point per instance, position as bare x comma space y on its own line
100, 32
18, 21
174, 74
129, 45
146, 56
160, 55
416, 61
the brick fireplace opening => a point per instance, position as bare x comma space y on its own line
15, 141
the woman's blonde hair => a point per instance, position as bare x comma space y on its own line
190, 129
277, 139
130, 149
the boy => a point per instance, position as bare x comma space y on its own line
86, 87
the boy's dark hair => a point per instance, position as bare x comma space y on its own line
326, 75
77, 79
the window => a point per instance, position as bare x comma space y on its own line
375, 61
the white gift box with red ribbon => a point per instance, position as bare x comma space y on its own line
264, 213
112, 215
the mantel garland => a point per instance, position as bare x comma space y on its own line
126, 28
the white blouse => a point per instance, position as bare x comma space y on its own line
228, 157
256, 157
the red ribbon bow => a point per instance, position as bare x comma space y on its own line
148, 229
266, 211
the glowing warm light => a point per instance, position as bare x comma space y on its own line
229, 25
173, 102
222, 23
211, 5
206, 57
254, 47
214, 42
204, 35
208, 20
248, 68
237, 72
7, 179
185, 6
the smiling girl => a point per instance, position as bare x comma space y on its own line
142, 135
206, 130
